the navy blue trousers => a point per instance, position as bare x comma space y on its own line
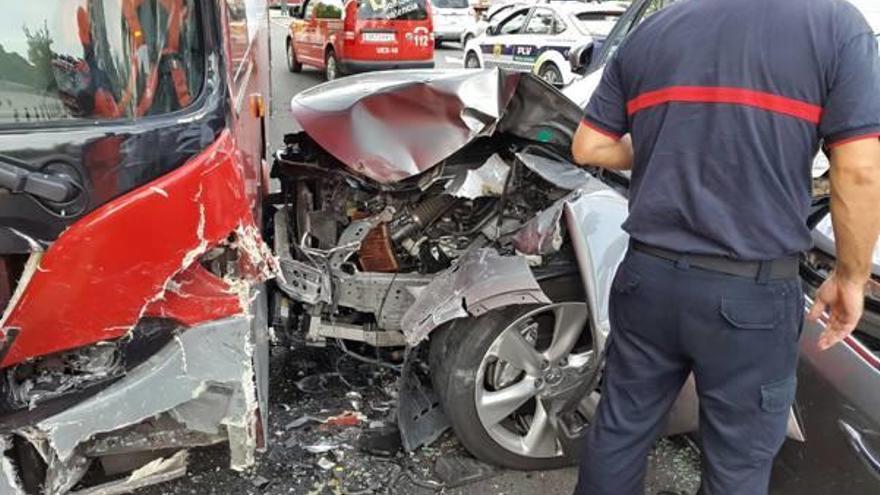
738, 336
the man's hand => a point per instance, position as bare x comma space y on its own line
845, 301
855, 193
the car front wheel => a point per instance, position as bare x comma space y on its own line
331, 67
495, 375
550, 73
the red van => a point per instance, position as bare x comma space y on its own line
361, 35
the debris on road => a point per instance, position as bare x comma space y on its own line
347, 418
456, 471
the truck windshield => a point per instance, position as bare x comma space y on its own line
98, 59
393, 10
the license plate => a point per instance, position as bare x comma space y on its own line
378, 37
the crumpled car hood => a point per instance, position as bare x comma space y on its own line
389, 126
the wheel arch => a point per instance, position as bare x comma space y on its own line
557, 59
473, 48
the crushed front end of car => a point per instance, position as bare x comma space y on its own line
414, 199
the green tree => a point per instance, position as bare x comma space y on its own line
40, 55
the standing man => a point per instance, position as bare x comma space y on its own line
718, 107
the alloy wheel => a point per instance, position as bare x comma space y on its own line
540, 354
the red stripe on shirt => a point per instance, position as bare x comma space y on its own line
873, 135
723, 95
598, 129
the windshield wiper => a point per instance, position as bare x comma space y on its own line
18, 177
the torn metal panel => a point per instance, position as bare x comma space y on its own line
392, 125
486, 180
543, 234
387, 295
561, 174
158, 471
319, 330
299, 280
594, 223
210, 357
481, 280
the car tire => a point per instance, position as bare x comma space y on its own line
458, 353
293, 65
551, 74
331, 66
471, 61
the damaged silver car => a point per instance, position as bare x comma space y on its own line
441, 211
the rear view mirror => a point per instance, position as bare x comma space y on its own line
492, 30
580, 58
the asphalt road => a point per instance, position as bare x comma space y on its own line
288, 467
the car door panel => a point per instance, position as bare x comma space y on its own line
497, 49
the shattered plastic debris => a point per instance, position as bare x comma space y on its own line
321, 448
260, 482
302, 421
316, 384
326, 464
347, 418
487, 180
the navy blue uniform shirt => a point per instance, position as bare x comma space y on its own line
727, 102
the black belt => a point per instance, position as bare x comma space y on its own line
781, 268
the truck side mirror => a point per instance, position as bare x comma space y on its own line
580, 58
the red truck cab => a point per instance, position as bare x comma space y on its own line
361, 35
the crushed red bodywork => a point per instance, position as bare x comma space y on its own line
126, 252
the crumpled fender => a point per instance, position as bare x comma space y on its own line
483, 280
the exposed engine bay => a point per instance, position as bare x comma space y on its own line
357, 253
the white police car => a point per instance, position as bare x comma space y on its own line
539, 37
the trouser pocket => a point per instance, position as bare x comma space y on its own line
776, 400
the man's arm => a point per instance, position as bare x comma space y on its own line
591, 147
855, 214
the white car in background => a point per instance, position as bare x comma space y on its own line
451, 19
538, 38
493, 16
